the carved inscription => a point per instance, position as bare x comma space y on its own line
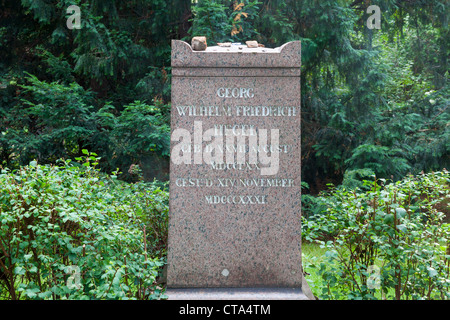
238, 147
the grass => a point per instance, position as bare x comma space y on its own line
312, 254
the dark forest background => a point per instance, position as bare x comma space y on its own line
373, 101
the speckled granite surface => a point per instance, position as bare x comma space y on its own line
285, 56
256, 242
237, 294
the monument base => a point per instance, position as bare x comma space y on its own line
236, 294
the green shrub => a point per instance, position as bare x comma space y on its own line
66, 232
140, 133
52, 121
395, 230
150, 203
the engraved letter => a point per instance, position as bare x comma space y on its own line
220, 92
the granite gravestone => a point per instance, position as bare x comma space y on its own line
235, 192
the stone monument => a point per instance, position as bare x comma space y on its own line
235, 192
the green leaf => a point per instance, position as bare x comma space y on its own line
432, 272
389, 218
85, 151
19, 270
44, 295
31, 293
400, 212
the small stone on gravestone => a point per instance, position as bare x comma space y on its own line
225, 44
252, 44
199, 43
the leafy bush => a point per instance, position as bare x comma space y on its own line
67, 232
140, 132
52, 121
354, 178
396, 230
150, 203
382, 160
57, 120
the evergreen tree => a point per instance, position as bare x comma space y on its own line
372, 100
